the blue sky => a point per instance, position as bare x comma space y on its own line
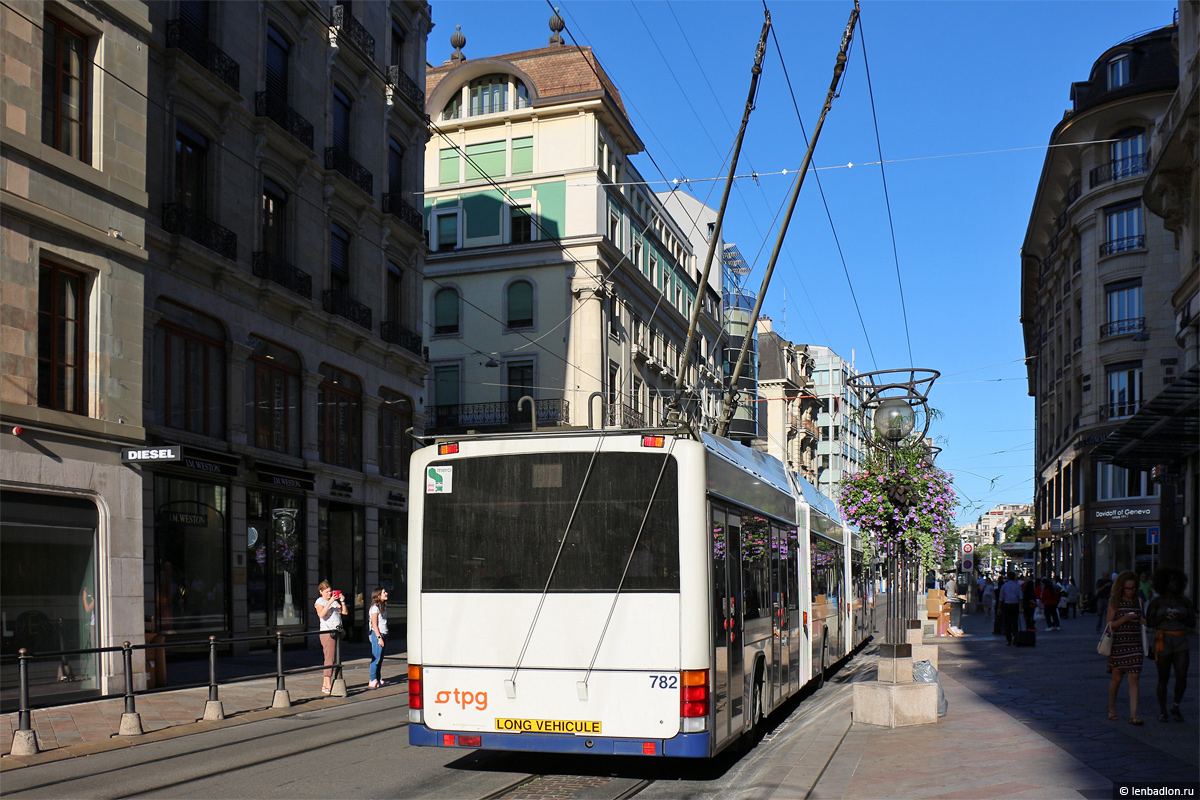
988, 79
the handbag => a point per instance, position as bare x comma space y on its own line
1038, 614
1104, 648
1062, 601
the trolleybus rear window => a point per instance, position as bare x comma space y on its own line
500, 527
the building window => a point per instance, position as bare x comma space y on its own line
341, 120
66, 91
448, 166
276, 567
1124, 301
1124, 389
520, 225
395, 445
339, 258
1118, 483
278, 52
274, 218
1123, 228
61, 352
520, 384
636, 255
445, 231
397, 51
614, 383
274, 379
395, 167
1118, 72
445, 385
522, 155
614, 227
394, 293
191, 166
489, 94
339, 418
614, 318
445, 312
191, 554
189, 371
1128, 153
453, 109
637, 395
520, 305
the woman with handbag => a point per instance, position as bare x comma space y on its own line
1172, 614
1125, 658
329, 610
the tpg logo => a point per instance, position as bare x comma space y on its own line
463, 699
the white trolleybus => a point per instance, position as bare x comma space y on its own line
618, 592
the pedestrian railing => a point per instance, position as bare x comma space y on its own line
25, 739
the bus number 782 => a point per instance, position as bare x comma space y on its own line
664, 681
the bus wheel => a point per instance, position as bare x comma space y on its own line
756, 698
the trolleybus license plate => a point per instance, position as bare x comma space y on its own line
547, 726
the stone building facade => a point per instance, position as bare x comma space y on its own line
553, 272
73, 259
282, 309
1098, 269
787, 408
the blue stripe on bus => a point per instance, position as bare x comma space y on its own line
685, 745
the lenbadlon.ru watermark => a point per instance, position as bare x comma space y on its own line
1148, 789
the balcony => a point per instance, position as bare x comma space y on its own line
1067, 360
1114, 246
1077, 266
276, 109
1120, 168
622, 416
400, 208
276, 270
185, 37
1077, 345
1073, 193
178, 218
339, 159
346, 25
1122, 326
470, 416
395, 333
336, 302
1119, 410
407, 88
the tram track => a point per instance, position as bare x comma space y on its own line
542, 787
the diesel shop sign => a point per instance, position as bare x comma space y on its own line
137, 455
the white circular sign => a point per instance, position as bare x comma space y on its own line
968, 565
968, 547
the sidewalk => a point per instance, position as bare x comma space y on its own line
1021, 723
91, 727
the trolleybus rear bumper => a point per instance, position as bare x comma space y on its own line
685, 745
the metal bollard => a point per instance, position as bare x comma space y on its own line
213, 710
281, 698
339, 680
25, 741
131, 721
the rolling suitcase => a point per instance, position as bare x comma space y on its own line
1025, 639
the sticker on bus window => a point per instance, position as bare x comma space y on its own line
439, 480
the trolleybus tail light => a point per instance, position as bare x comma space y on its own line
447, 449
693, 698
414, 687
470, 741
648, 748
447, 740
653, 441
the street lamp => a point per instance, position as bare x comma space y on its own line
894, 419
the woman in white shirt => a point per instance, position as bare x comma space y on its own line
379, 632
329, 609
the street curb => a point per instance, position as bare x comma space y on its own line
118, 742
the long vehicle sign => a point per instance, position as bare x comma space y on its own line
547, 726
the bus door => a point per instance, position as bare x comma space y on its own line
728, 658
779, 622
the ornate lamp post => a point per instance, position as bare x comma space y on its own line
898, 402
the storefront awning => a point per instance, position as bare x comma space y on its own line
1165, 430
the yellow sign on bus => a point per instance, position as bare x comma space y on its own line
547, 726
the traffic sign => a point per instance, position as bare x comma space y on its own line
968, 547
1152, 535
968, 565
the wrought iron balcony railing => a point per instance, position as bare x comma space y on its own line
339, 303
1067, 360
407, 88
481, 415
1077, 266
1122, 245
276, 109
178, 218
395, 333
1119, 410
622, 416
1122, 326
401, 209
276, 270
1120, 168
185, 37
1077, 344
338, 159
1073, 193
347, 25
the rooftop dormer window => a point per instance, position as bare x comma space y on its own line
1118, 71
488, 94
